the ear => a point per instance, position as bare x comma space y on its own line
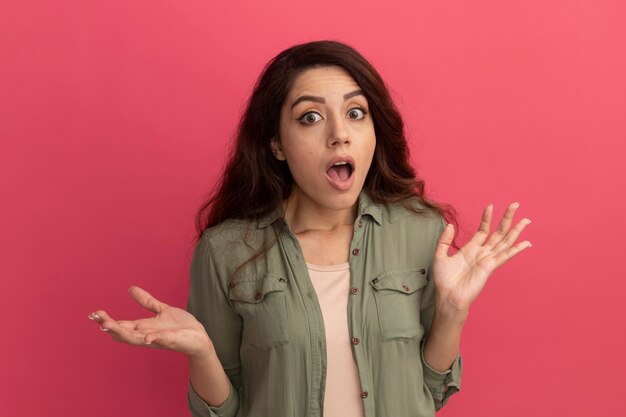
277, 150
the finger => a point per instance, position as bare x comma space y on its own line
444, 241
163, 339
106, 322
507, 255
512, 236
146, 300
118, 332
95, 317
503, 226
146, 325
130, 337
485, 226
127, 324
100, 317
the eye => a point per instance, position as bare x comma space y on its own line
356, 113
310, 118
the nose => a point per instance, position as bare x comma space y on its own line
338, 132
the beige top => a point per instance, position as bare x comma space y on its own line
343, 389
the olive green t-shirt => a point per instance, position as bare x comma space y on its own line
251, 290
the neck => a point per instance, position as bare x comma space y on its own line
303, 214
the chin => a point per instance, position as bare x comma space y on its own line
343, 200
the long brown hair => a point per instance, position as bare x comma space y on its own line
255, 183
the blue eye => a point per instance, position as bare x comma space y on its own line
310, 118
356, 114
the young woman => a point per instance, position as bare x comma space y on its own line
322, 282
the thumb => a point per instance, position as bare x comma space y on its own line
146, 300
444, 241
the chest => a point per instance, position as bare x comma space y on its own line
388, 273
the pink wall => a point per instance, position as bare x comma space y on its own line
115, 117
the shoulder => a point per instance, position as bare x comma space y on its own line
409, 213
404, 235
231, 234
233, 243
412, 212
227, 230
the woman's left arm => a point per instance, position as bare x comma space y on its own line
460, 278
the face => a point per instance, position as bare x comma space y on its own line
326, 137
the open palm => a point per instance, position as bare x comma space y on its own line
171, 328
460, 278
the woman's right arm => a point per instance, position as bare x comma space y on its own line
208, 378
214, 365
209, 303
174, 329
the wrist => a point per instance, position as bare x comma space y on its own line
204, 351
451, 312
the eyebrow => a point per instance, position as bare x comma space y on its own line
323, 100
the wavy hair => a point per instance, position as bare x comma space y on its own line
254, 182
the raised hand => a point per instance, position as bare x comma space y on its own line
460, 278
172, 328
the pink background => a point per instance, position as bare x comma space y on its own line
115, 117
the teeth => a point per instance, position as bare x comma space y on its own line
341, 163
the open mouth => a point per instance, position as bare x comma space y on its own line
340, 171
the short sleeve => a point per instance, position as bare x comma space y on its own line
208, 302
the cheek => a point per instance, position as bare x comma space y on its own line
367, 156
303, 162
300, 147
299, 151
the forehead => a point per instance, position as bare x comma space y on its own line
323, 81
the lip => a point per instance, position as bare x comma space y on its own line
341, 185
345, 158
